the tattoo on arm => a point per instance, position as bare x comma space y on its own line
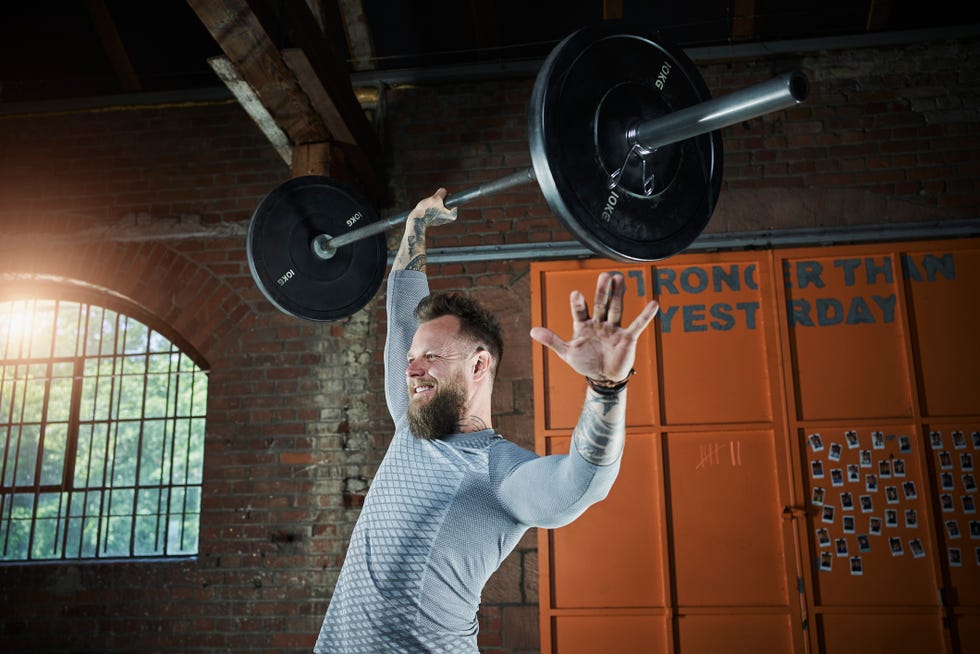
601, 430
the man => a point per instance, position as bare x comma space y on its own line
452, 498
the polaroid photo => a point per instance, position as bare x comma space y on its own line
835, 451
848, 521
936, 440
816, 467
836, 477
911, 518
841, 546
945, 460
856, 567
969, 505
866, 505
895, 544
884, 469
974, 529
955, 557
826, 561
865, 458
891, 494
976, 439
908, 488
871, 483
946, 481
952, 529
918, 551
874, 526
864, 543
816, 442
853, 473
827, 515
891, 517
969, 483
898, 467
959, 440
818, 495
946, 501
904, 444
846, 502
823, 537
966, 462
852, 439
878, 440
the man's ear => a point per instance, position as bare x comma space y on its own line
481, 367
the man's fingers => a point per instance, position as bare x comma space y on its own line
580, 312
550, 340
603, 294
618, 287
643, 320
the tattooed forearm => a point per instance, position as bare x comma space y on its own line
601, 430
411, 252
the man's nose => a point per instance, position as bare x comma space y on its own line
414, 369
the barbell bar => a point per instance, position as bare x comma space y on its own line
625, 147
778, 93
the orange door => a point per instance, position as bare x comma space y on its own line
799, 465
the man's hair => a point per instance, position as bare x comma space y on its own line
475, 322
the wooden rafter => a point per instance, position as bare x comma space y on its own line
321, 107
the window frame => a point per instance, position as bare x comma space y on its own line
59, 291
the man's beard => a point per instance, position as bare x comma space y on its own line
440, 415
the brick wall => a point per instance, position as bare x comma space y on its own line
153, 203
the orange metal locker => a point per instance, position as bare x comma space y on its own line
799, 469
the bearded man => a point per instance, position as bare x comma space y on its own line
452, 497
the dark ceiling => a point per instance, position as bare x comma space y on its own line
63, 49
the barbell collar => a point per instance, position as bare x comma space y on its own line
780, 92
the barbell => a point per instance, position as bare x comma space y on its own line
625, 147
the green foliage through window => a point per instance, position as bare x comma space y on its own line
101, 435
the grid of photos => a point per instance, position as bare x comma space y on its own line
865, 498
955, 453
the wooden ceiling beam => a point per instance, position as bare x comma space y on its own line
320, 108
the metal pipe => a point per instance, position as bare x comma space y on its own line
778, 93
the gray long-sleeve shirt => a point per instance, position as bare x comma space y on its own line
440, 518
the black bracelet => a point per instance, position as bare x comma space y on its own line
609, 388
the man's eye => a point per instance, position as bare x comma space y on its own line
431, 357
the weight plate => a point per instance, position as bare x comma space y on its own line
282, 261
592, 88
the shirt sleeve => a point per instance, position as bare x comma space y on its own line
549, 491
406, 288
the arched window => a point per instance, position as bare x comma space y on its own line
101, 432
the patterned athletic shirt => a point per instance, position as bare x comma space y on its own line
439, 519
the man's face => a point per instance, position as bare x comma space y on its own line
436, 378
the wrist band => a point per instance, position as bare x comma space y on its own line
605, 387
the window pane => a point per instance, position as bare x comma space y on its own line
154, 462
53, 465
126, 454
66, 341
59, 392
42, 330
19, 530
27, 455
48, 526
131, 397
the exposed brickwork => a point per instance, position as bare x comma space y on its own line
153, 203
